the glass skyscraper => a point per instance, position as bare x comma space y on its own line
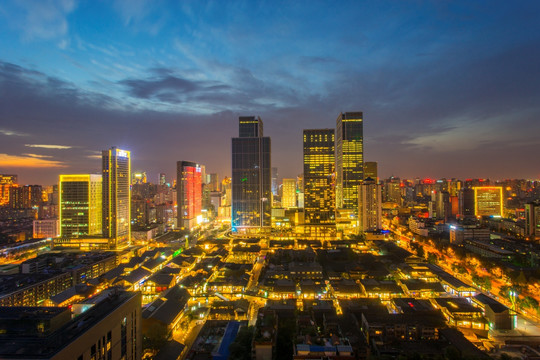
80, 205
251, 176
189, 194
319, 181
116, 197
349, 159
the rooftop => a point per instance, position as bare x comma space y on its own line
36, 345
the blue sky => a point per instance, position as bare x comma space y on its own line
448, 89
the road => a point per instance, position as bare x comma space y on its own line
449, 260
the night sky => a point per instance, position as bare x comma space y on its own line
448, 88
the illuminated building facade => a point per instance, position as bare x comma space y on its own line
392, 190
6, 182
116, 165
349, 159
369, 206
288, 197
532, 221
370, 171
213, 182
488, 201
319, 181
138, 178
226, 192
189, 194
46, 228
275, 184
251, 176
80, 205
25, 197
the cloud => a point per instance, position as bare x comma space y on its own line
38, 156
11, 133
157, 88
15, 161
63, 44
41, 19
142, 15
47, 146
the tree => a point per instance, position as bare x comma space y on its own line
240, 349
420, 251
487, 283
530, 302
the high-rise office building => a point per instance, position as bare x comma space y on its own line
349, 159
275, 184
189, 194
466, 203
6, 182
138, 178
300, 191
319, 179
205, 179
532, 221
116, 165
213, 182
392, 190
443, 210
288, 197
488, 201
251, 176
369, 206
162, 180
226, 192
80, 205
25, 197
370, 171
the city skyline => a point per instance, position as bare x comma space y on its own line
447, 90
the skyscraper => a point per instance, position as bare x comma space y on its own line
116, 197
138, 178
319, 181
275, 184
488, 201
80, 205
251, 176
349, 159
466, 203
392, 190
532, 221
6, 182
369, 206
213, 182
370, 171
25, 197
189, 194
288, 197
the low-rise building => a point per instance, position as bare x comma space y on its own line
166, 311
385, 289
460, 313
110, 327
422, 289
499, 316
